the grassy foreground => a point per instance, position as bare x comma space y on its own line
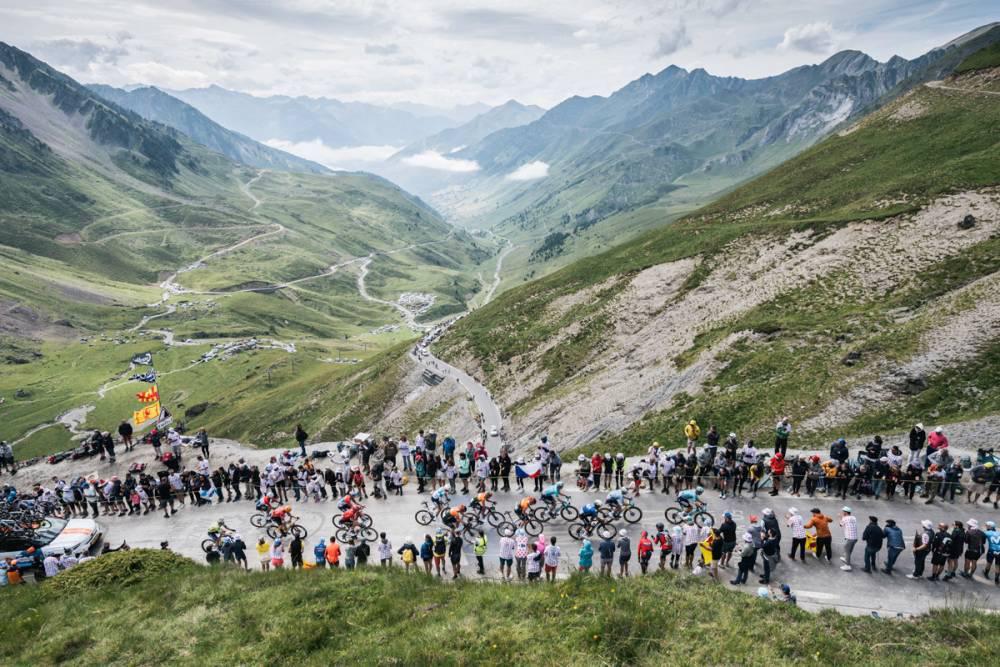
144, 607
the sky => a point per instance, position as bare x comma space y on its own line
449, 52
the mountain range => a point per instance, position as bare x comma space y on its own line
153, 104
666, 142
299, 119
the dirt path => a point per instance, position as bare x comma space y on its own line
496, 274
940, 85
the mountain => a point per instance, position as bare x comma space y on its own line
510, 114
119, 235
460, 113
153, 104
296, 119
855, 287
660, 146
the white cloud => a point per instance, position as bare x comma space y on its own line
164, 76
456, 149
672, 40
354, 157
530, 171
812, 37
434, 160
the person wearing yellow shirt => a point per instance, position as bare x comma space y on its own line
692, 431
264, 553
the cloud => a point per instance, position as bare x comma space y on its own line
80, 53
434, 160
529, 172
672, 41
381, 49
508, 26
335, 158
164, 76
811, 37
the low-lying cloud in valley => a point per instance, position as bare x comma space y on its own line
434, 160
530, 171
350, 158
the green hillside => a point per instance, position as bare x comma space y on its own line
376, 617
893, 163
105, 212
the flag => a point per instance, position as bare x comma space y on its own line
706, 550
150, 395
810, 542
532, 470
143, 359
146, 413
145, 377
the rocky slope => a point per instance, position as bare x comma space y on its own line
849, 288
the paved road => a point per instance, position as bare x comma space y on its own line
974, 91
487, 408
817, 584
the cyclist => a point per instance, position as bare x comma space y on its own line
350, 508
453, 517
440, 498
588, 513
551, 494
264, 504
282, 517
482, 503
616, 501
218, 530
523, 508
689, 499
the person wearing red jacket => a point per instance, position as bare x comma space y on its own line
777, 472
645, 551
596, 462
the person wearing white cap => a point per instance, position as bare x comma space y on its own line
921, 548
624, 552
850, 526
975, 540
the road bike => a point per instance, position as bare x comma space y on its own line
678, 515
629, 512
346, 533
512, 522
563, 507
584, 528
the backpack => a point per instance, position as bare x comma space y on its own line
407, 556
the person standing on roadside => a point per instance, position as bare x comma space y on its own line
586, 556
692, 431
992, 550
917, 439
849, 524
506, 556
782, 430
480, 551
975, 541
300, 437
552, 555
794, 522
624, 553
125, 433
921, 548
940, 551
873, 538
824, 539
746, 560
957, 547
607, 551
894, 543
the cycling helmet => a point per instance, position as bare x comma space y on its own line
700, 490
581, 458
559, 485
659, 526
597, 503
461, 508
489, 494
991, 525
220, 521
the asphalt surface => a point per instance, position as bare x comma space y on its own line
817, 584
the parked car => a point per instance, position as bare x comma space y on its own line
77, 535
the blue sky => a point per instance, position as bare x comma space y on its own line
447, 52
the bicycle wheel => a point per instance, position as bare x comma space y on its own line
300, 532
506, 529
541, 514
703, 519
258, 520
673, 515
632, 514
206, 545
577, 531
337, 521
533, 527
495, 519
424, 518
570, 513
606, 531
368, 534
272, 532
343, 535
366, 521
